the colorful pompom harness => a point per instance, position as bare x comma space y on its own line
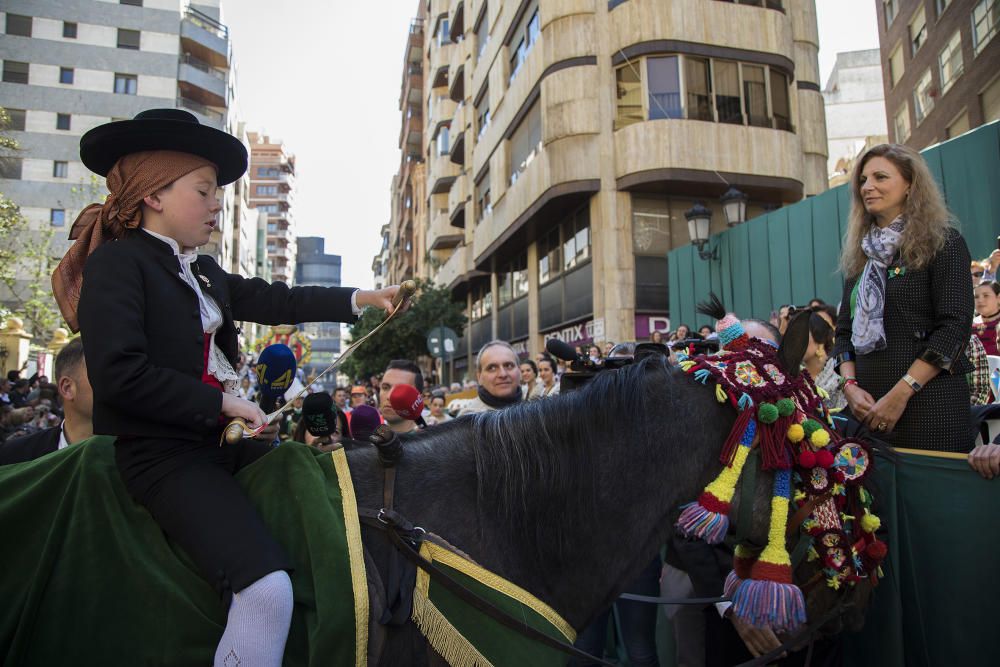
821, 473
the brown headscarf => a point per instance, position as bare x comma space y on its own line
133, 178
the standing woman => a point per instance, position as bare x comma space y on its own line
984, 326
158, 324
531, 388
905, 317
547, 374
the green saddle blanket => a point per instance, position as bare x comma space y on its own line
88, 577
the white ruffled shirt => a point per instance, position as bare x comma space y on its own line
211, 317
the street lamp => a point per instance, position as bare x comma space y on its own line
734, 204
699, 220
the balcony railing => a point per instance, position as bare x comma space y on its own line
206, 111
206, 22
199, 64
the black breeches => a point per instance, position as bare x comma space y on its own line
189, 489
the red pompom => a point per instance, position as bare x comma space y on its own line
876, 550
824, 458
807, 459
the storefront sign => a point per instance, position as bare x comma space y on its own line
645, 325
581, 333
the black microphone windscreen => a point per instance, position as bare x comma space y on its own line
560, 350
317, 411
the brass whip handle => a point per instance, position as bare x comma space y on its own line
235, 431
407, 289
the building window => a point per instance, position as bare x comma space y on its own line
901, 124
710, 90
512, 280
941, 5
444, 34
525, 142
62, 121
664, 88
482, 113
918, 31
15, 72
484, 203
985, 17
923, 99
57, 217
576, 241
989, 101
896, 67
482, 31
16, 118
128, 39
781, 107
727, 92
266, 190
66, 75
958, 126
10, 168
442, 141
482, 302
524, 37
950, 63
890, 8
60, 169
629, 94
134, 3
697, 82
18, 25
126, 84
549, 257
69, 29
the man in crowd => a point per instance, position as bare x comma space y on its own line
340, 397
78, 401
499, 376
399, 371
358, 396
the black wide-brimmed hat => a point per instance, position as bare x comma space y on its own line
167, 130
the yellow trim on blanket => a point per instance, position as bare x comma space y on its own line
434, 552
442, 635
355, 551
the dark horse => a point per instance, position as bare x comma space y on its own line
568, 497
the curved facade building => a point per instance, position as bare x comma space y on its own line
580, 131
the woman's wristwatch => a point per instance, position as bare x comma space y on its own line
912, 381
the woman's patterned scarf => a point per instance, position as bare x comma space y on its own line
880, 245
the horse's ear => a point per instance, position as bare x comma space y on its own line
794, 343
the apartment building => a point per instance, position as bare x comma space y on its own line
315, 267
941, 67
272, 192
70, 65
564, 142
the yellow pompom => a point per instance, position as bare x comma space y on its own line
870, 523
820, 438
796, 433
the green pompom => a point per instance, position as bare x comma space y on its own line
767, 413
811, 426
786, 407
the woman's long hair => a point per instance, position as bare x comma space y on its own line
927, 216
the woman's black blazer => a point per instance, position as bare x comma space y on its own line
143, 339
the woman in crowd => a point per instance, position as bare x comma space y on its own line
531, 387
683, 332
438, 414
904, 317
547, 374
594, 353
984, 326
818, 361
656, 337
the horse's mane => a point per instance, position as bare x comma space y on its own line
537, 463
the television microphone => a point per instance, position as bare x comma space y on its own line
319, 416
561, 350
364, 420
407, 402
275, 372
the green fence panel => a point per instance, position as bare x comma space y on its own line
674, 281
760, 277
685, 270
725, 269
739, 239
966, 159
826, 246
702, 286
800, 252
781, 271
